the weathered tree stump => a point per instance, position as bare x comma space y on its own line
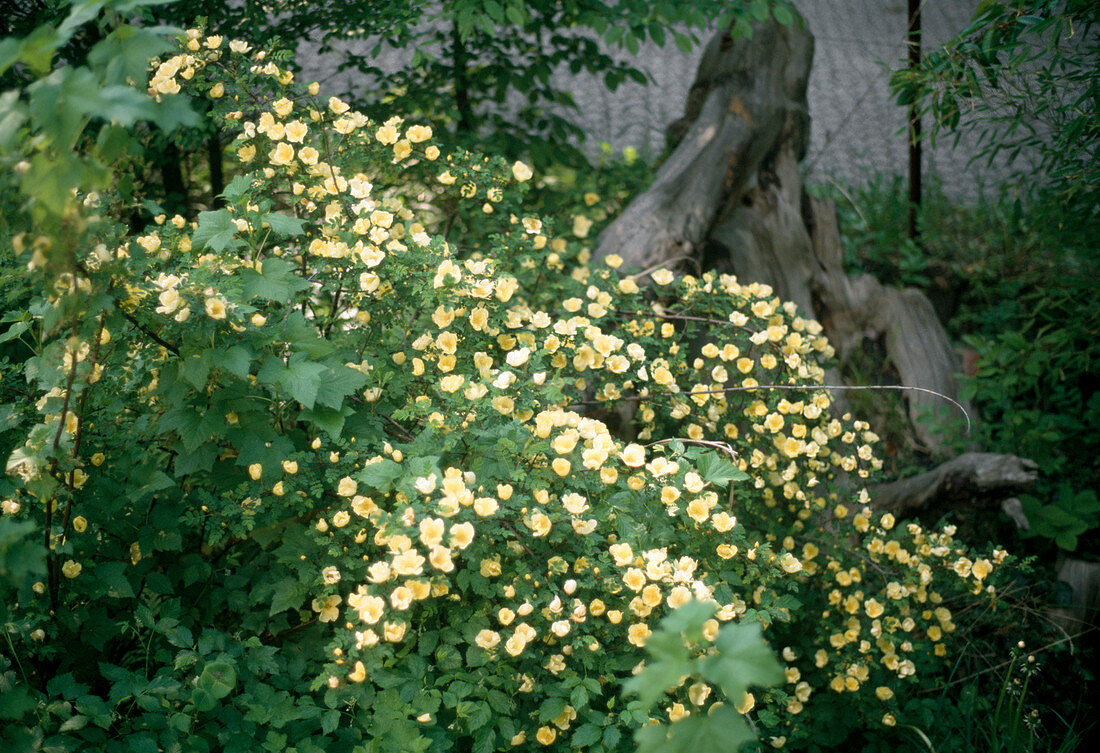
730, 198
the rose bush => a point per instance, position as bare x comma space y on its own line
372, 459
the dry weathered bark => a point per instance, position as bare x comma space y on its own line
979, 479
730, 198
746, 96
853, 309
1083, 610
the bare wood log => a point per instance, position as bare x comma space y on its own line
975, 478
1083, 610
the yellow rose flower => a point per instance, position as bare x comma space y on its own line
487, 639
663, 276
539, 523
71, 569
215, 307
308, 155
521, 172
409, 562
387, 134
295, 131
394, 631
638, 633
633, 455
282, 107
634, 579
282, 154
462, 535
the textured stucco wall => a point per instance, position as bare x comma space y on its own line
857, 128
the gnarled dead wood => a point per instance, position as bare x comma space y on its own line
973, 478
747, 94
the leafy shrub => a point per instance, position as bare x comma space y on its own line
1021, 77
1009, 287
310, 473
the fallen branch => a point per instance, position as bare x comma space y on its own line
974, 478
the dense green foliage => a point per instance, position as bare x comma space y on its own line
1022, 78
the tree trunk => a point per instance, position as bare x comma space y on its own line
169, 161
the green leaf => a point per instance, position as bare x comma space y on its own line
670, 660
195, 368
37, 49
379, 476
1066, 541
14, 331
283, 224
586, 735
742, 659
289, 594
216, 230
552, 708
21, 556
687, 619
112, 581
718, 470
720, 730
193, 427
301, 378
301, 334
514, 14
218, 678
236, 360
203, 700
337, 383
329, 420
783, 15
494, 10
277, 280
237, 188
10, 50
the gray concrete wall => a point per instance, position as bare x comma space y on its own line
857, 129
